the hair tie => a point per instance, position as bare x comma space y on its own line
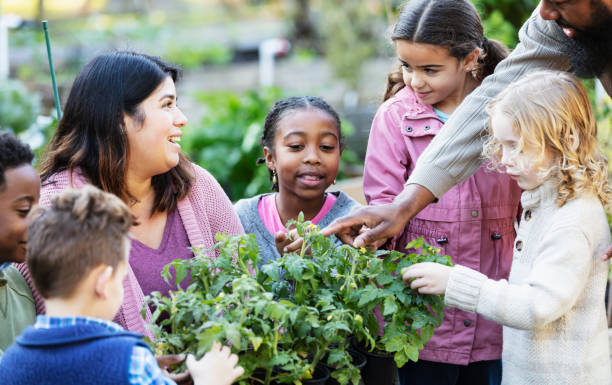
484, 42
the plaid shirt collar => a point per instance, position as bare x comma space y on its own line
48, 322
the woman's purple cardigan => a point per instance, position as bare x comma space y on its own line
205, 212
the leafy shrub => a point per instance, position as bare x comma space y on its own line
19, 108
285, 317
194, 56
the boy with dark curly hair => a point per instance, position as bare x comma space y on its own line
19, 192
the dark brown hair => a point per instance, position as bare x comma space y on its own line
13, 153
91, 135
81, 230
453, 24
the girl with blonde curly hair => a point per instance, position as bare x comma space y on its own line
543, 134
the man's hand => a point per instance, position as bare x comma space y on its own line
427, 277
381, 222
217, 367
164, 363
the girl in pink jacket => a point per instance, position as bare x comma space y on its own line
443, 56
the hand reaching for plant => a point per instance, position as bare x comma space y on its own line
376, 244
166, 361
217, 367
427, 277
288, 242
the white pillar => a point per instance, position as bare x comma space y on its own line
6, 22
268, 50
4, 55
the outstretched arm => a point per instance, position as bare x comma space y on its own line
384, 221
551, 289
454, 154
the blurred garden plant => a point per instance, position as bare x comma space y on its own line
298, 311
19, 108
226, 142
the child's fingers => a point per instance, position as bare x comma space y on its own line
412, 272
280, 237
293, 234
233, 360
418, 283
216, 346
293, 246
238, 371
426, 289
179, 378
169, 359
191, 360
226, 352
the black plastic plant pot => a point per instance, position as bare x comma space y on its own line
319, 377
380, 369
358, 360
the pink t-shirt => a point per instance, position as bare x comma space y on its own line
268, 212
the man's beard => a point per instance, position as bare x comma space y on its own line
590, 50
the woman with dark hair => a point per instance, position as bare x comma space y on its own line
120, 131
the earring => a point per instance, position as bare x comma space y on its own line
334, 182
274, 179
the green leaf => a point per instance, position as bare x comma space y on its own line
335, 356
369, 294
256, 342
389, 306
395, 344
385, 278
411, 352
427, 332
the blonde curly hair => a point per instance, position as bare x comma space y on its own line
551, 114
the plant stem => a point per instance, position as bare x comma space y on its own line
268, 375
303, 250
243, 316
244, 267
351, 276
206, 285
275, 337
317, 357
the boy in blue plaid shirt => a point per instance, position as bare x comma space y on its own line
78, 257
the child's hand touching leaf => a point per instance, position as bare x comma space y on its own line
217, 367
288, 242
166, 362
427, 277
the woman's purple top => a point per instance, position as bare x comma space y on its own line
148, 263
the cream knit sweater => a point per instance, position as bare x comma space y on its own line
552, 306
